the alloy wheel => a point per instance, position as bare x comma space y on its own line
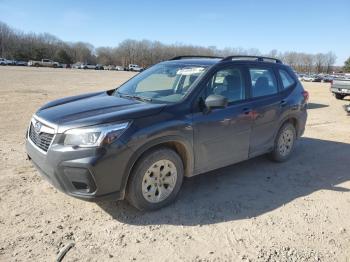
285, 142
159, 181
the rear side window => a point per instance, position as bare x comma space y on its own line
287, 80
263, 82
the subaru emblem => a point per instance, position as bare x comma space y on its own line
37, 127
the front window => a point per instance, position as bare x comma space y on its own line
167, 83
228, 82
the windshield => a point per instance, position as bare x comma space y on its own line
167, 83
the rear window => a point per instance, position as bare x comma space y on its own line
287, 80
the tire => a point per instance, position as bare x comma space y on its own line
339, 96
146, 188
284, 143
36, 65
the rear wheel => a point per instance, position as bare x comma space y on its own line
284, 143
339, 96
156, 179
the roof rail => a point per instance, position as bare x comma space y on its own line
194, 56
258, 58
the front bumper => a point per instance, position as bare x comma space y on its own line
85, 173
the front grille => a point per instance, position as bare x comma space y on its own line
41, 140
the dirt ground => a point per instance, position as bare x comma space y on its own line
253, 211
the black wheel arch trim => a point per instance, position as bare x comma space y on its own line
168, 141
285, 119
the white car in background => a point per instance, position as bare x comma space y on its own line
76, 66
135, 68
88, 66
308, 78
3, 61
119, 68
109, 67
43, 63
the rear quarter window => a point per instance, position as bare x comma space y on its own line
287, 80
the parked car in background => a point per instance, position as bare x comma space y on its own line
11, 62
300, 77
308, 78
328, 79
136, 68
88, 66
179, 118
64, 66
119, 68
21, 63
318, 78
109, 67
3, 61
341, 88
43, 63
77, 66
99, 67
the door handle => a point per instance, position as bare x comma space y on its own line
250, 113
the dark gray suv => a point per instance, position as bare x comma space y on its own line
181, 117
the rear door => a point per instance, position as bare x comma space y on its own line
264, 93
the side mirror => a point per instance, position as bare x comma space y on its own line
216, 101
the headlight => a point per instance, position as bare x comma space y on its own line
94, 136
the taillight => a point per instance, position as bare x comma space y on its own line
305, 95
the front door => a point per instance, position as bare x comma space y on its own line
221, 136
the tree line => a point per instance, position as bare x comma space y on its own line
18, 45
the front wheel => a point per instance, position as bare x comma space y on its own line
156, 179
284, 143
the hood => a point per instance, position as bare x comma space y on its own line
95, 108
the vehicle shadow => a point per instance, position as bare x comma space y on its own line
248, 189
316, 106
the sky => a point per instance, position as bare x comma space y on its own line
310, 26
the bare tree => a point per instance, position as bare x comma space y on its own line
330, 59
6, 34
290, 58
320, 62
308, 61
18, 45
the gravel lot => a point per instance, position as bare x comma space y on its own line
253, 211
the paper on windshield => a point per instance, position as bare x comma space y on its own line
190, 71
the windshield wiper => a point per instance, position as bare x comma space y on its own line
140, 98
